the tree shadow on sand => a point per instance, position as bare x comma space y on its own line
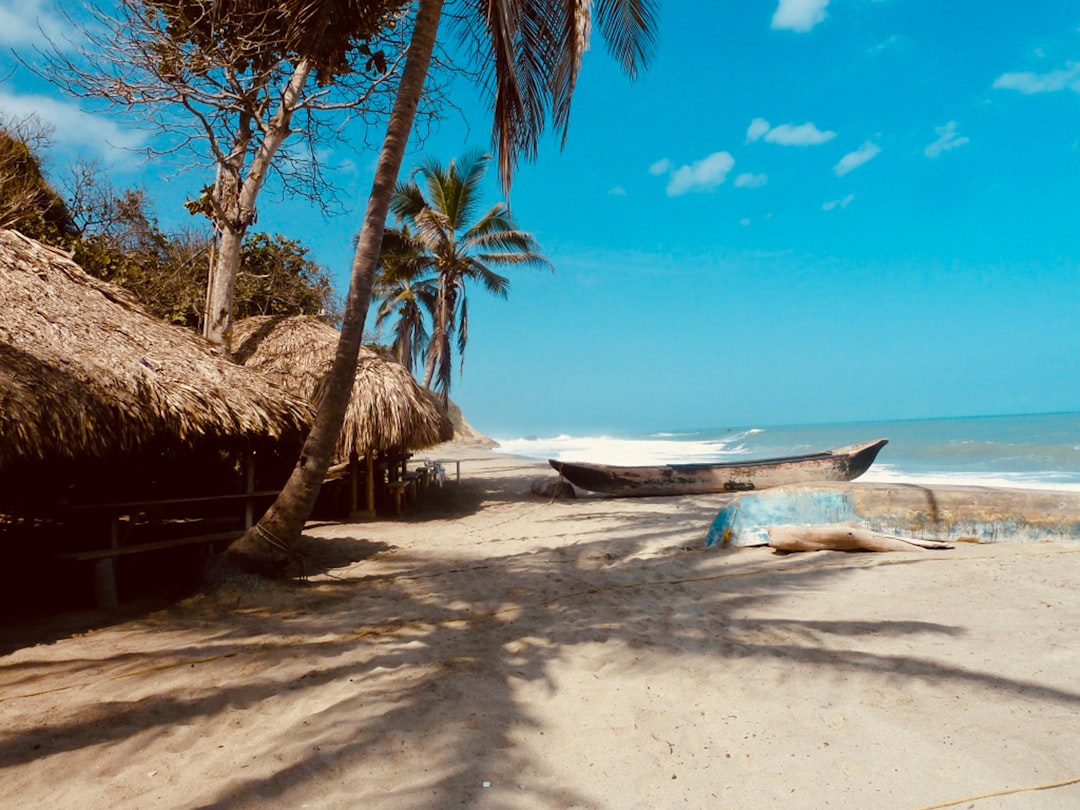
437, 661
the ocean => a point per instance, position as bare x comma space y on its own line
1040, 451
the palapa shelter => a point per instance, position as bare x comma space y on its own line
389, 413
87, 374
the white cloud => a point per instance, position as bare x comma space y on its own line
745, 222
662, 166
74, 127
947, 140
801, 135
799, 15
758, 128
702, 175
886, 44
787, 134
853, 160
617, 191
1030, 83
749, 180
30, 22
843, 202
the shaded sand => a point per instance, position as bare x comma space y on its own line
495, 650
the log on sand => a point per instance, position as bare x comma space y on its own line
843, 537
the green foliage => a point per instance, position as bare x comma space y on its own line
259, 35
27, 202
115, 236
167, 273
203, 205
277, 278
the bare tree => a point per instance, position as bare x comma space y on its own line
231, 81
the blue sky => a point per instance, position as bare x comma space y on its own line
805, 211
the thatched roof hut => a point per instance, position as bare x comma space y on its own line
388, 409
85, 371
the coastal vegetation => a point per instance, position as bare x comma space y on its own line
230, 83
439, 247
114, 235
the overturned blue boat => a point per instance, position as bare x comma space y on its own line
954, 514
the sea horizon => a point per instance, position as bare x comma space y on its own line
1033, 451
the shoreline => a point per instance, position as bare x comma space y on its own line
491, 648
1036, 451
878, 476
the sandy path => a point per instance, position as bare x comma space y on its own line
495, 650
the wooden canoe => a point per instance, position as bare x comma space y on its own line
842, 464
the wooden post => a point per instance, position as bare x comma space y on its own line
105, 584
105, 594
354, 483
369, 469
249, 488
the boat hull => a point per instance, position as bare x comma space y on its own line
950, 514
843, 464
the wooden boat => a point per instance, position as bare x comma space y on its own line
842, 464
935, 512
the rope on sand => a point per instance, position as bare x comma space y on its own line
1006, 792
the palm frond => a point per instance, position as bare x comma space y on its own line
463, 332
406, 201
496, 218
531, 54
491, 281
468, 175
629, 28
506, 241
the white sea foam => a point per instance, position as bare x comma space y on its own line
1030, 452
611, 450
886, 474
680, 448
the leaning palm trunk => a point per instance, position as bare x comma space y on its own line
267, 546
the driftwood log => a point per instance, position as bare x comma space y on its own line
843, 537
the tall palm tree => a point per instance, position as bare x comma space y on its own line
407, 293
453, 245
534, 49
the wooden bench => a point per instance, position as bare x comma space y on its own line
105, 592
124, 515
419, 477
402, 491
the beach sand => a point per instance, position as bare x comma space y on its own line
492, 649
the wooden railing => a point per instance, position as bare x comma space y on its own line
125, 518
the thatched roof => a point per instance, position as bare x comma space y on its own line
85, 371
388, 408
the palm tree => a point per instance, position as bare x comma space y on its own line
405, 294
440, 204
535, 49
